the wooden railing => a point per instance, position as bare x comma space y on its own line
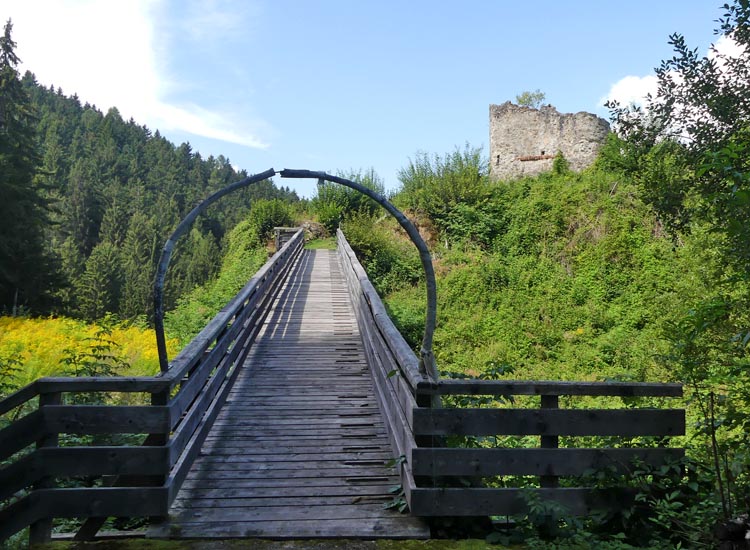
128, 480
418, 429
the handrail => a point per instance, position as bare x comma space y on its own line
418, 430
407, 360
178, 421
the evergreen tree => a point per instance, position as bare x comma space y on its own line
25, 268
139, 254
99, 287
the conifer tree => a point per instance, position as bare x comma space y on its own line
24, 267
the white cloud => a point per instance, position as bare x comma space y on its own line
107, 53
725, 46
631, 89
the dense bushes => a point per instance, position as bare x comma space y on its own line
391, 261
267, 214
434, 185
334, 202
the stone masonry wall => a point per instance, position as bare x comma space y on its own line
524, 141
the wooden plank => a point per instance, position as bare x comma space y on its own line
437, 462
270, 494
100, 419
19, 515
525, 387
104, 502
20, 474
501, 502
290, 513
22, 433
124, 384
18, 398
407, 360
300, 425
280, 500
103, 460
573, 422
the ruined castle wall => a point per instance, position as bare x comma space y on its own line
524, 141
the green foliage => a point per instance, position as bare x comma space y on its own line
75, 178
672, 505
27, 272
717, 370
267, 214
334, 202
10, 366
696, 130
98, 288
243, 258
533, 99
560, 165
100, 356
328, 243
688, 150
435, 185
391, 262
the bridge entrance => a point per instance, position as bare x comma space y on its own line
299, 449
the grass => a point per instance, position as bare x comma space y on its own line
329, 243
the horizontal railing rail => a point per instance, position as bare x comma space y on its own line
129, 480
551, 465
434, 476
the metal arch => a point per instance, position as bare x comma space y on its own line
166, 256
427, 363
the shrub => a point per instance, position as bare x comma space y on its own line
391, 263
434, 185
267, 214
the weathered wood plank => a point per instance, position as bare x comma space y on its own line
573, 422
19, 515
104, 502
536, 462
21, 433
525, 387
300, 425
123, 384
500, 502
20, 474
19, 397
99, 419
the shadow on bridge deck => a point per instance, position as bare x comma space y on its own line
299, 449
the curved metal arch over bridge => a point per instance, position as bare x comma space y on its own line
427, 358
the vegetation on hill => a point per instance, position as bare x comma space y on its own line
636, 269
89, 199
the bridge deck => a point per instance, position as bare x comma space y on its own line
299, 449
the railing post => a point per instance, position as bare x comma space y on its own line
41, 530
157, 440
550, 441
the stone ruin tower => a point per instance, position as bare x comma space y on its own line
524, 141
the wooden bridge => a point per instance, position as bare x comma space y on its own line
280, 420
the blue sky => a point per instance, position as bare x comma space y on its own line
334, 85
